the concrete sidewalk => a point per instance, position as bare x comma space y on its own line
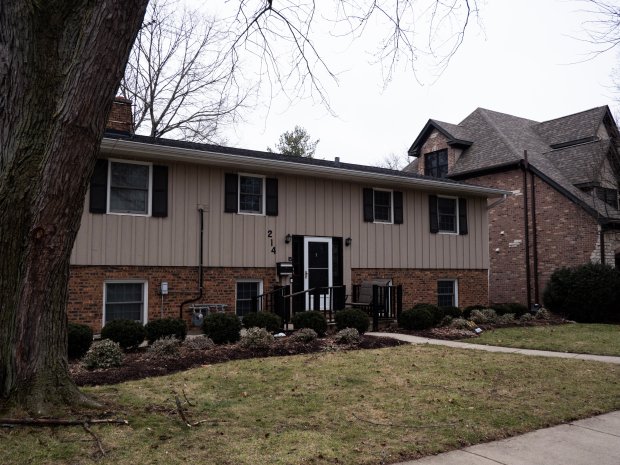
594, 441
465, 345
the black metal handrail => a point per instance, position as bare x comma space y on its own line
326, 299
386, 303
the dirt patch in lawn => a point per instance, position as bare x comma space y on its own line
141, 364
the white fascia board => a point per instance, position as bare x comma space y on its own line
144, 151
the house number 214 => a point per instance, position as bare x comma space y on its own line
270, 238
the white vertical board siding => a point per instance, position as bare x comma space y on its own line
307, 206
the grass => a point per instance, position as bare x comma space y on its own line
579, 338
362, 407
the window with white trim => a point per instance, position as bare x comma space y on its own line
125, 300
251, 194
447, 214
247, 289
130, 186
447, 293
382, 205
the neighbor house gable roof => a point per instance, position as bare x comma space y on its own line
500, 141
144, 147
456, 135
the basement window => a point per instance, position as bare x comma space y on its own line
125, 300
247, 289
447, 293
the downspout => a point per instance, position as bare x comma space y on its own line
528, 277
602, 240
535, 241
200, 271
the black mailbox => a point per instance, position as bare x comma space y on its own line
284, 268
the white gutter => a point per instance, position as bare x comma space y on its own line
145, 151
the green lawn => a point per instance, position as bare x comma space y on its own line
362, 407
579, 338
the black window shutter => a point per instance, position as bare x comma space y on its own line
160, 191
369, 215
272, 197
432, 212
231, 185
99, 187
462, 216
298, 272
398, 207
339, 294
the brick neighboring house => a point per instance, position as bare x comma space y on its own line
564, 176
213, 222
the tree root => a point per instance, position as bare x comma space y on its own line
392, 425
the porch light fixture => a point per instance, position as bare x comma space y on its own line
347, 241
288, 239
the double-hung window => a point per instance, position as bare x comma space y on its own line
251, 194
129, 188
125, 301
436, 164
447, 215
382, 205
123, 187
447, 293
247, 289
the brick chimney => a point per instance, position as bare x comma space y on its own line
121, 117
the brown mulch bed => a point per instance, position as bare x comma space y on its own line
141, 364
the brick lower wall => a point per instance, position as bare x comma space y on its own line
86, 284
420, 286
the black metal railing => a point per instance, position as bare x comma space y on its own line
285, 303
386, 302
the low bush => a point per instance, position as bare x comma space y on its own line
467, 310
462, 323
348, 336
486, 315
543, 314
270, 321
416, 318
587, 294
434, 310
304, 335
526, 317
256, 338
198, 343
166, 346
80, 339
510, 307
103, 354
454, 312
164, 327
505, 319
128, 333
222, 327
446, 321
352, 318
311, 319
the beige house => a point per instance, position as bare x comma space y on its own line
169, 225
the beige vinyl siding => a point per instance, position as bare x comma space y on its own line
307, 206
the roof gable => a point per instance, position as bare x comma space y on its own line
456, 135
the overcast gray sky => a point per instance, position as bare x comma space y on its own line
524, 59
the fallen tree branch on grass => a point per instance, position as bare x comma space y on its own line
182, 413
61, 421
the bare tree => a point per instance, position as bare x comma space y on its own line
296, 143
179, 78
394, 161
60, 65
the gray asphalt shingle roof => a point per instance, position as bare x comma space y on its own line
499, 139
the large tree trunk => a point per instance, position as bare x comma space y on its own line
60, 64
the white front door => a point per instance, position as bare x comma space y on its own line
318, 271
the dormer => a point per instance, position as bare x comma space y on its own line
438, 147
